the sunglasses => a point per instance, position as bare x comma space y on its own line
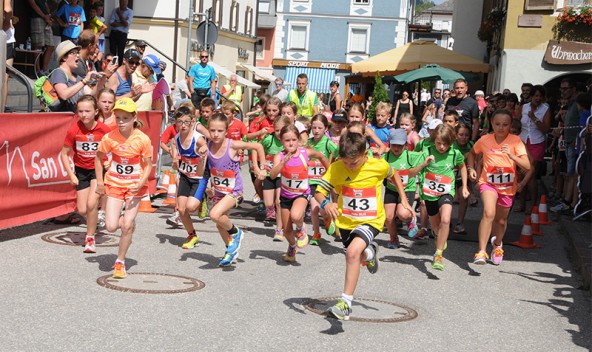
203, 56
134, 62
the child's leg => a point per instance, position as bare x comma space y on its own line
278, 209
92, 209
112, 213
444, 225
500, 223
489, 198
258, 184
127, 226
297, 211
288, 230
423, 213
390, 209
354, 256
315, 211
219, 215
268, 198
462, 208
82, 200
184, 213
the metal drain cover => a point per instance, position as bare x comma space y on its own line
152, 283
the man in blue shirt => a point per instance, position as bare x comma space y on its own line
201, 80
121, 21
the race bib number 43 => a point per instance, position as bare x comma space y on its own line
436, 185
359, 203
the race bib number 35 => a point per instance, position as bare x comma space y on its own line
436, 185
359, 203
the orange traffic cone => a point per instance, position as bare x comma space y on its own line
526, 240
171, 198
534, 219
543, 214
146, 205
164, 184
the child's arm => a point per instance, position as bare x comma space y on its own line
102, 30
471, 165
278, 164
201, 166
257, 134
415, 170
381, 148
203, 130
99, 172
463, 176
318, 155
396, 113
257, 150
66, 163
415, 139
395, 179
145, 174
174, 155
330, 208
522, 161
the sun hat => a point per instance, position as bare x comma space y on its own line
479, 92
65, 47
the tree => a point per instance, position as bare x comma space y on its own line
379, 95
422, 5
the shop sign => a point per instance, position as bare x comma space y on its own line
312, 64
243, 53
568, 53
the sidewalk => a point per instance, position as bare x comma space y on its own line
579, 237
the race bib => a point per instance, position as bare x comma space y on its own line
404, 176
86, 146
125, 170
359, 203
295, 179
315, 170
500, 177
223, 181
189, 166
561, 144
436, 185
269, 162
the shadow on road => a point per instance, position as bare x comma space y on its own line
419, 264
276, 256
296, 304
106, 262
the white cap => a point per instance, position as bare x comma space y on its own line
300, 126
480, 92
434, 123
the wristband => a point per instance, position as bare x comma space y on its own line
323, 203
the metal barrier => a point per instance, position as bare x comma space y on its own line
19, 76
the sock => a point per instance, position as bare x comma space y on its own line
233, 230
92, 236
120, 261
191, 233
347, 299
369, 254
438, 252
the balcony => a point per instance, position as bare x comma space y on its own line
266, 17
421, 23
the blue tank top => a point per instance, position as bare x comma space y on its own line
124, 87
189, 157
383, 133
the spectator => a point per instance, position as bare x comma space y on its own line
180, 92
336, 102
506, 92
403, 105
120, 21
480, 98
143, 77
88, 43
306, 101
68, 86
511, 103
140, 46
423, 98
436, 99
71, 16
358, 98
525, 95
41, 33
121, 81
97, 24
163, 66
201, 80
467, 108
232, 91
280, 92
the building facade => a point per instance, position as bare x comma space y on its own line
434, 24
323, 38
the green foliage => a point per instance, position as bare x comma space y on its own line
379, 95
422, 5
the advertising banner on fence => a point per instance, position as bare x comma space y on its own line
33, 182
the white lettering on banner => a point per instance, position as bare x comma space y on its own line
298, 63
46, 171
329, 65
558, 53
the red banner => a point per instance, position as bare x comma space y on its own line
33, 182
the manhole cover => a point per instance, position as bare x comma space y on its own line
77, 239
151, 283
365, 310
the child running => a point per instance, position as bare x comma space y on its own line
83, 138
405, 162
106, 102
381, 127
321, 143
227, 183
191, 166
502, 153
407, 123
338, 126
463, 143
292, 165
359, 213
356, 114
125, 181
437, 190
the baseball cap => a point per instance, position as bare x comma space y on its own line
130, 53
126, 104
140, 42
398, 137
300, 126
339, 117
65, 47
434, 123
152, 61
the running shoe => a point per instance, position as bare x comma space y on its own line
301, 238
460, 228
256, 199
175, 220
372, 264
314, 241
340, 310
203, 209
412, 227
559, 207
422, 234
270, 215
228, 258
497, 254
290, 255
480, 258
190, 242
329, 226
89, 245
261, 207
234, 242
278, 236
437, 263
392, 245
119, 270
101, 219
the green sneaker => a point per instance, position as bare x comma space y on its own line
372, 265
203, 210
314, 241
190, 242
340, 310
437, 263
330, 227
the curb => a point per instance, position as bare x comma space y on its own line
581, 253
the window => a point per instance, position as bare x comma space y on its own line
264, 7
198, 6
358, 40
298, 37
361, 2
249, 21
260, 48
234, 16
217, 12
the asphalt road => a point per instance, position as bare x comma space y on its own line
51, 301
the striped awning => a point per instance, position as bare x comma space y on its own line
318, 78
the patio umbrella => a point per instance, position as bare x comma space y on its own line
430, 72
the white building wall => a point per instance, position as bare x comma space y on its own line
466, 20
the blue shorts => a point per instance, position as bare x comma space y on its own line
572, 156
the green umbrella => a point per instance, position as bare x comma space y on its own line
431, 72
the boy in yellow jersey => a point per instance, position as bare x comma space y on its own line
359, 213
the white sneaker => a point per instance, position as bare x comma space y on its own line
256, 199
101, 219
175, 220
